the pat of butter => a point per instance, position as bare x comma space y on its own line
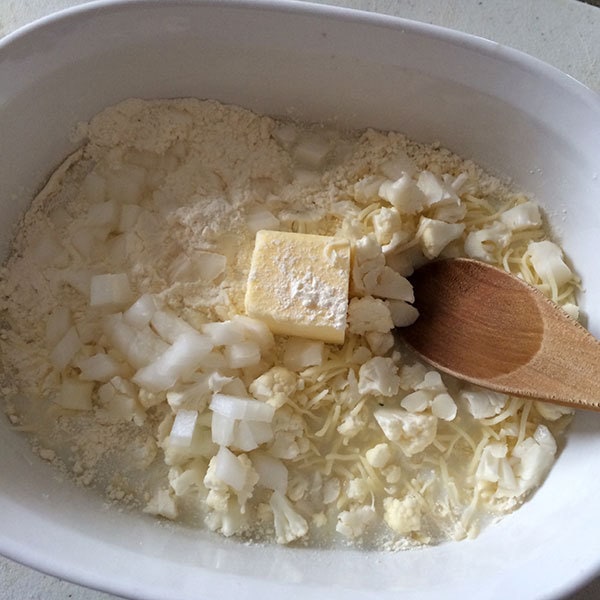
298, 284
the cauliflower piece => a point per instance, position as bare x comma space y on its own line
384, 282
417, 401
386, 222
403, 314
403, 194
352, 523
366, 189
482, 403
380, 343
552, 412
227, 523
403, 516
484, 244
369, 314
379, 456
412, 432
522, 216
435, 235
536, 455
379, 376
352, 425
227, 471
435, 189
371, 276
162, 504
275, 386
488, 468
547, 260
412, 375
289, 525
357, 489
432, 382
444, 407
289, 439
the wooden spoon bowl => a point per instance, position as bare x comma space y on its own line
483, 325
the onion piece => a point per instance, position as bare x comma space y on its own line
183, 428
272, 473
242, 408
229, 469
66, 349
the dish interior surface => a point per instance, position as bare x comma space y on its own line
508, 112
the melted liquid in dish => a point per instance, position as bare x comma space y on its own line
128, 356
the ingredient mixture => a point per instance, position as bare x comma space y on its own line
197, 318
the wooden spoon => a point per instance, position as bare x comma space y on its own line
488, 327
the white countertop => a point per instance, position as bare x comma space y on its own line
564, 33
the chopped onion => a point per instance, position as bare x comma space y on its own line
224, 333
300, 353
66, 349
222, 429
206, 266
178, 361
241, 408
139, 347
262, 219
100, 367
272, 473
169, 326
57, 325
103, 214
110, 290
242, 354
138, 315
75, 394
183, 428
255, 330
229, 469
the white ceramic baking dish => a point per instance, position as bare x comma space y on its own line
509, 112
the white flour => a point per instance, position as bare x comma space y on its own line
171, 193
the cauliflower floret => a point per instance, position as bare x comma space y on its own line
163, 504
357, 489
552, 412
380, 343
379, 376
289, 440
369, 314
522, 216
227, 471
379, 456
536, 455
289, 525
482, 403
444, 407
484, 244
403, 313
412, 375
386, 221
435, 235
352, 425
275, 386
547, 260
403, 194
227, 523
403, 516
412, 432
436, 190
371, 276
352, 523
